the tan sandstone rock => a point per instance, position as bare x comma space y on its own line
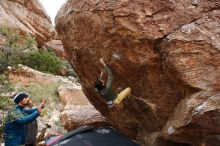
24, 76
57, 47
29, 17
77, 116
72, 96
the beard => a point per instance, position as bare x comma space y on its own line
27, 103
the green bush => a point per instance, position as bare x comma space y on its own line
43, 61
68, 67
14, 47
19, 49
5, 105
5, 102
5, 85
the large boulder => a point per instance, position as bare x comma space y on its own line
166, 51
27, 16
79, 115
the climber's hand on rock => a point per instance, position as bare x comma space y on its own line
102, 61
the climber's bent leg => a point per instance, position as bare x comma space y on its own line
122, 95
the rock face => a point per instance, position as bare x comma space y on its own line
167, 51
57, 47
70, 95
24, 76
29, 17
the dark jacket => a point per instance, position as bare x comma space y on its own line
15, 123
107, 93
31, 132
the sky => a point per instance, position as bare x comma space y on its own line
52, 7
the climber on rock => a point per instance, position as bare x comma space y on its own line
106, 89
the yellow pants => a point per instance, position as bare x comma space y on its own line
123, 94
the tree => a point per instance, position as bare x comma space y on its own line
13, 47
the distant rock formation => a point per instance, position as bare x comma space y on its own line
29, 17
167, 51
57, 47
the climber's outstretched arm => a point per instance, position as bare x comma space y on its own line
101, 75
110, 76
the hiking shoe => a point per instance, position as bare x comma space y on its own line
110, 104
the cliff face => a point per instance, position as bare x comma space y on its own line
167, 51
29, 17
